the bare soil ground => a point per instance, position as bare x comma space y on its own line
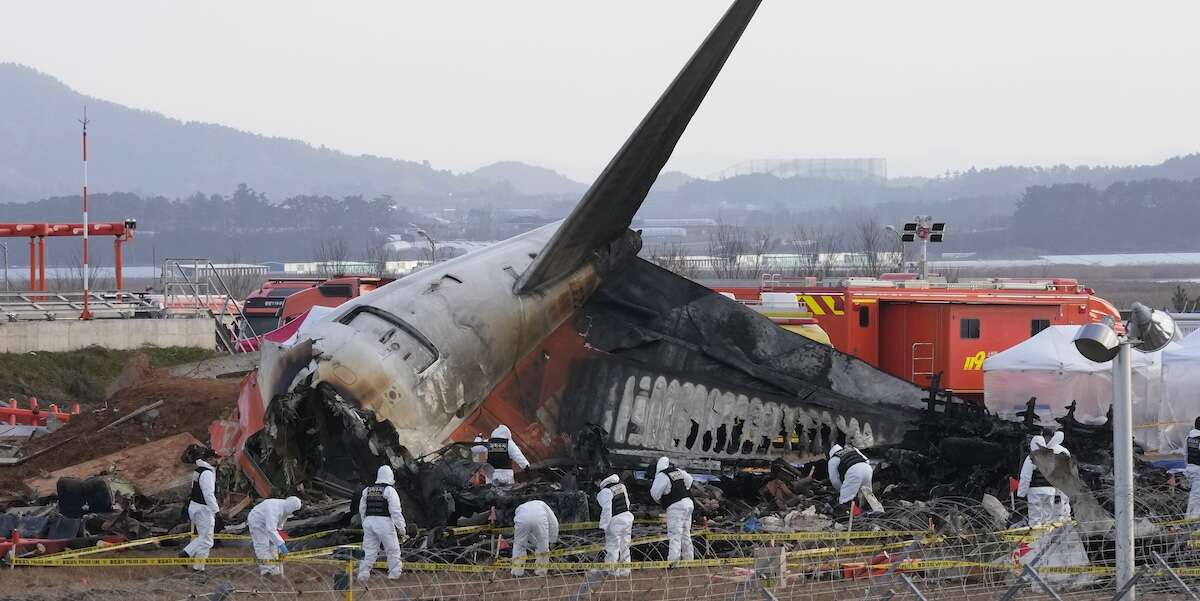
189, 406
85, 376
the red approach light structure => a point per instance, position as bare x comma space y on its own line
121, 231
87, 314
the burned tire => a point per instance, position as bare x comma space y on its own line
98, 495
71, 497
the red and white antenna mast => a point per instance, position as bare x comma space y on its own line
86, 313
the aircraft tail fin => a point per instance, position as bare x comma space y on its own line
608, 206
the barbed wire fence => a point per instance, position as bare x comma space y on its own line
942, 549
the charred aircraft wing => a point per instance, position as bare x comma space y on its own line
607, 208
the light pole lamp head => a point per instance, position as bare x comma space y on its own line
1098, 342
1152, 330
1149, 330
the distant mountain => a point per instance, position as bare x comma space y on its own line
670, 181
148, 153
529, 179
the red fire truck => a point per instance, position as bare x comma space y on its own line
915, 329
281, 300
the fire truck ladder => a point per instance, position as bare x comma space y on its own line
199, 281
922, 360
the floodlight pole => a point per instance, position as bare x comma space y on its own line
1123, 463
925, 257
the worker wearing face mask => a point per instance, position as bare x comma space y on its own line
671, 490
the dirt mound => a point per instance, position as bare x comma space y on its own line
84, 376
188, 406
136, 369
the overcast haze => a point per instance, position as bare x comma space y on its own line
928, 85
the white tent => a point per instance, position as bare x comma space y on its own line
1180, 390
1048, 367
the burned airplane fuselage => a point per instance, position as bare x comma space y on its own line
422, 353
659, 364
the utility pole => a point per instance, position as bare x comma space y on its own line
1122, 406
87, 314
4, 247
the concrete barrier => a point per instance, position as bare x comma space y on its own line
117, 334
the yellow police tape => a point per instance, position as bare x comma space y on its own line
585, 549
183, 535
810, 536
571, 527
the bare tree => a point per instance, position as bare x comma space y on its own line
726, 243
871, 243
240, 282
377, 253
331, 253
673, 257
816, 248
70, 278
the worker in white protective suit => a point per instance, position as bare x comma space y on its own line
849, 472
479, 449
535, 528
616, 520
265, 520
202, 511
1038, 492
1193, 470
382, 524
671, 490
503, 453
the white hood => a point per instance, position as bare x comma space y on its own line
384, 475
204, 464
1194, 433
613, 479
292, 505
502, 431
663, 462
1055, 444
834, 450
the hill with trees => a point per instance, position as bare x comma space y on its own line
151, 154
